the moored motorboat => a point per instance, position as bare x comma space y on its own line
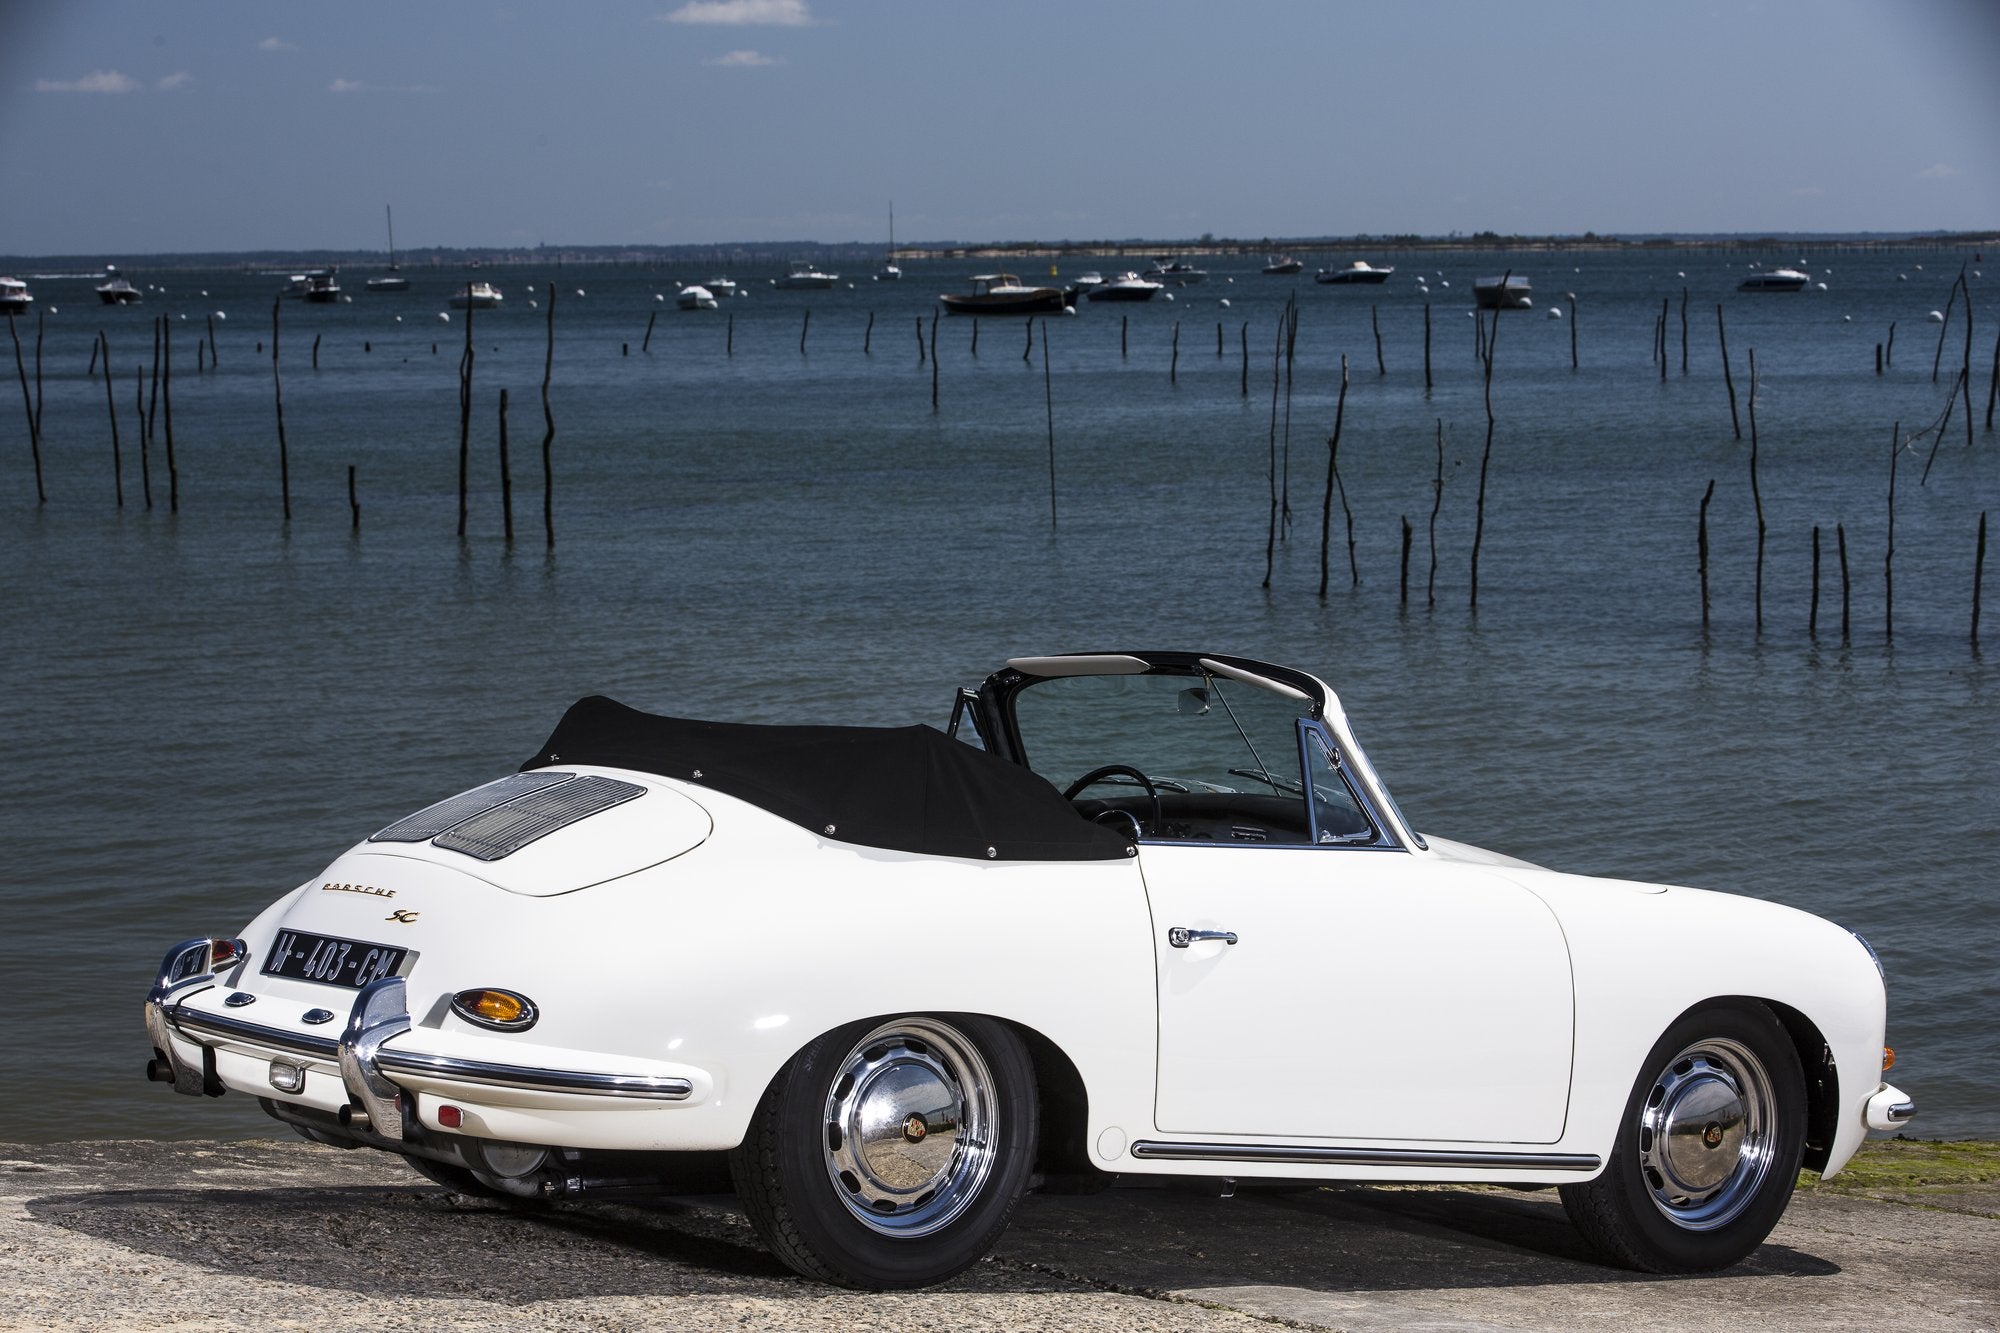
14, 296
720, 286
1003, 294
1359, 272
117, 289
476, 296
804, 276
695, 298
1083, 282
1175, 273
1281, 264
1777, 280
1511, 292
1125, 287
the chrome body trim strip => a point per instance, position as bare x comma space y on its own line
655, 1086
1272, 1152
198, 1025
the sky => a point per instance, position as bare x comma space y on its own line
149, 126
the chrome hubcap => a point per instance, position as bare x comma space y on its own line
1707, 1134
909, 1127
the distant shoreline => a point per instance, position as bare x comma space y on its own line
438, 257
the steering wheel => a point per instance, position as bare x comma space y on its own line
1104, 771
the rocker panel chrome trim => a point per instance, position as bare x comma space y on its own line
1271, 1152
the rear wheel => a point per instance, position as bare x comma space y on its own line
891, 1154
1709, 1148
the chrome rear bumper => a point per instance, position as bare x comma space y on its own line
368, 1065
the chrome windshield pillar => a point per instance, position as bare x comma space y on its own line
380, 1012
184, 970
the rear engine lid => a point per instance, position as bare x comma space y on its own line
549, 832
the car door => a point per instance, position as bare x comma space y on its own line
1371, 992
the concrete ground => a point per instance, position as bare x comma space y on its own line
287, 1235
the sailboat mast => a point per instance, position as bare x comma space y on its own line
390, 214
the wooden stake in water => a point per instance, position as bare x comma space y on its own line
1375, 322
1486, 457
465, 361
278, 396
28, 406
934, 360
1049, 402
868, 335
1992, 384
1427, 347
1889, 352
1701, 547
728, 337
1978, 573
1937, 360
1812, 616
646, 343
806, 326
1174, 365
167, 405
353, 502
1404, 596
145, 451
1124, 337
1840, 544
920, 340
315, 355
1572, 331
1218, 340
1728, 380
1684, 330
1029, 350
153, 403
214, 361
1243, 337
1889, 544
1437, 504
1335, 484
506, 476
1756, 496
975, 335
549, 427
117, 453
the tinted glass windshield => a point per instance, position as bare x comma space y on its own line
1186, 733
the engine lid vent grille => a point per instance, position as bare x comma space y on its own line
501, 830
449, 814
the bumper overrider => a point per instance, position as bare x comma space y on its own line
381, 1068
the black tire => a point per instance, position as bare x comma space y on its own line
1708, 1151
891, 1154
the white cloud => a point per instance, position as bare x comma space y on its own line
346, 86
180, 79
276, 44
744, 13
742, 60
1938, 172
97, 81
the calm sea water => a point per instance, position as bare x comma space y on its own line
206, 708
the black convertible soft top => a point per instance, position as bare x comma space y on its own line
910, 789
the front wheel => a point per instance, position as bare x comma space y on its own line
1709, 1148
891, 1154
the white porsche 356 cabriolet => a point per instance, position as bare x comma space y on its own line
1136, 914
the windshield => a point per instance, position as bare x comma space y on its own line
1189, 733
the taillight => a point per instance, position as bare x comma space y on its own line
493, 1007
225, 954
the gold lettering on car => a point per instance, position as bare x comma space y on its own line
331, 887
402, 915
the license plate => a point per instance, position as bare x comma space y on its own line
330, 960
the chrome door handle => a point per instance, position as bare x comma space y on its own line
1180, 936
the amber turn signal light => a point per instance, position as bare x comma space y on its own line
1888, 1058
492, 1007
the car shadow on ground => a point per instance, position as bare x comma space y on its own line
419, 1241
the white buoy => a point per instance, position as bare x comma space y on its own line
657, 296
204, 291
444, 317
1444, 282
1902, 277
221, 315
1847, 319
1555, 313
533, 304
1919, 268
1170, 296
1069, 310
1223, 302
1821, 286
579, 291
1681, 274
1935, 317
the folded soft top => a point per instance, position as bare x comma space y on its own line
910, 789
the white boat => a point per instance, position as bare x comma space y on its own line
1777, 280
1175, 273
1282, 264
804, 276
889, 272
476, 296
319, 286
1004, 294
14, 296
117, 290
1360, 271
1085, 281
1125, 287
1509, 293
392, 281
721, 286
695, 298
